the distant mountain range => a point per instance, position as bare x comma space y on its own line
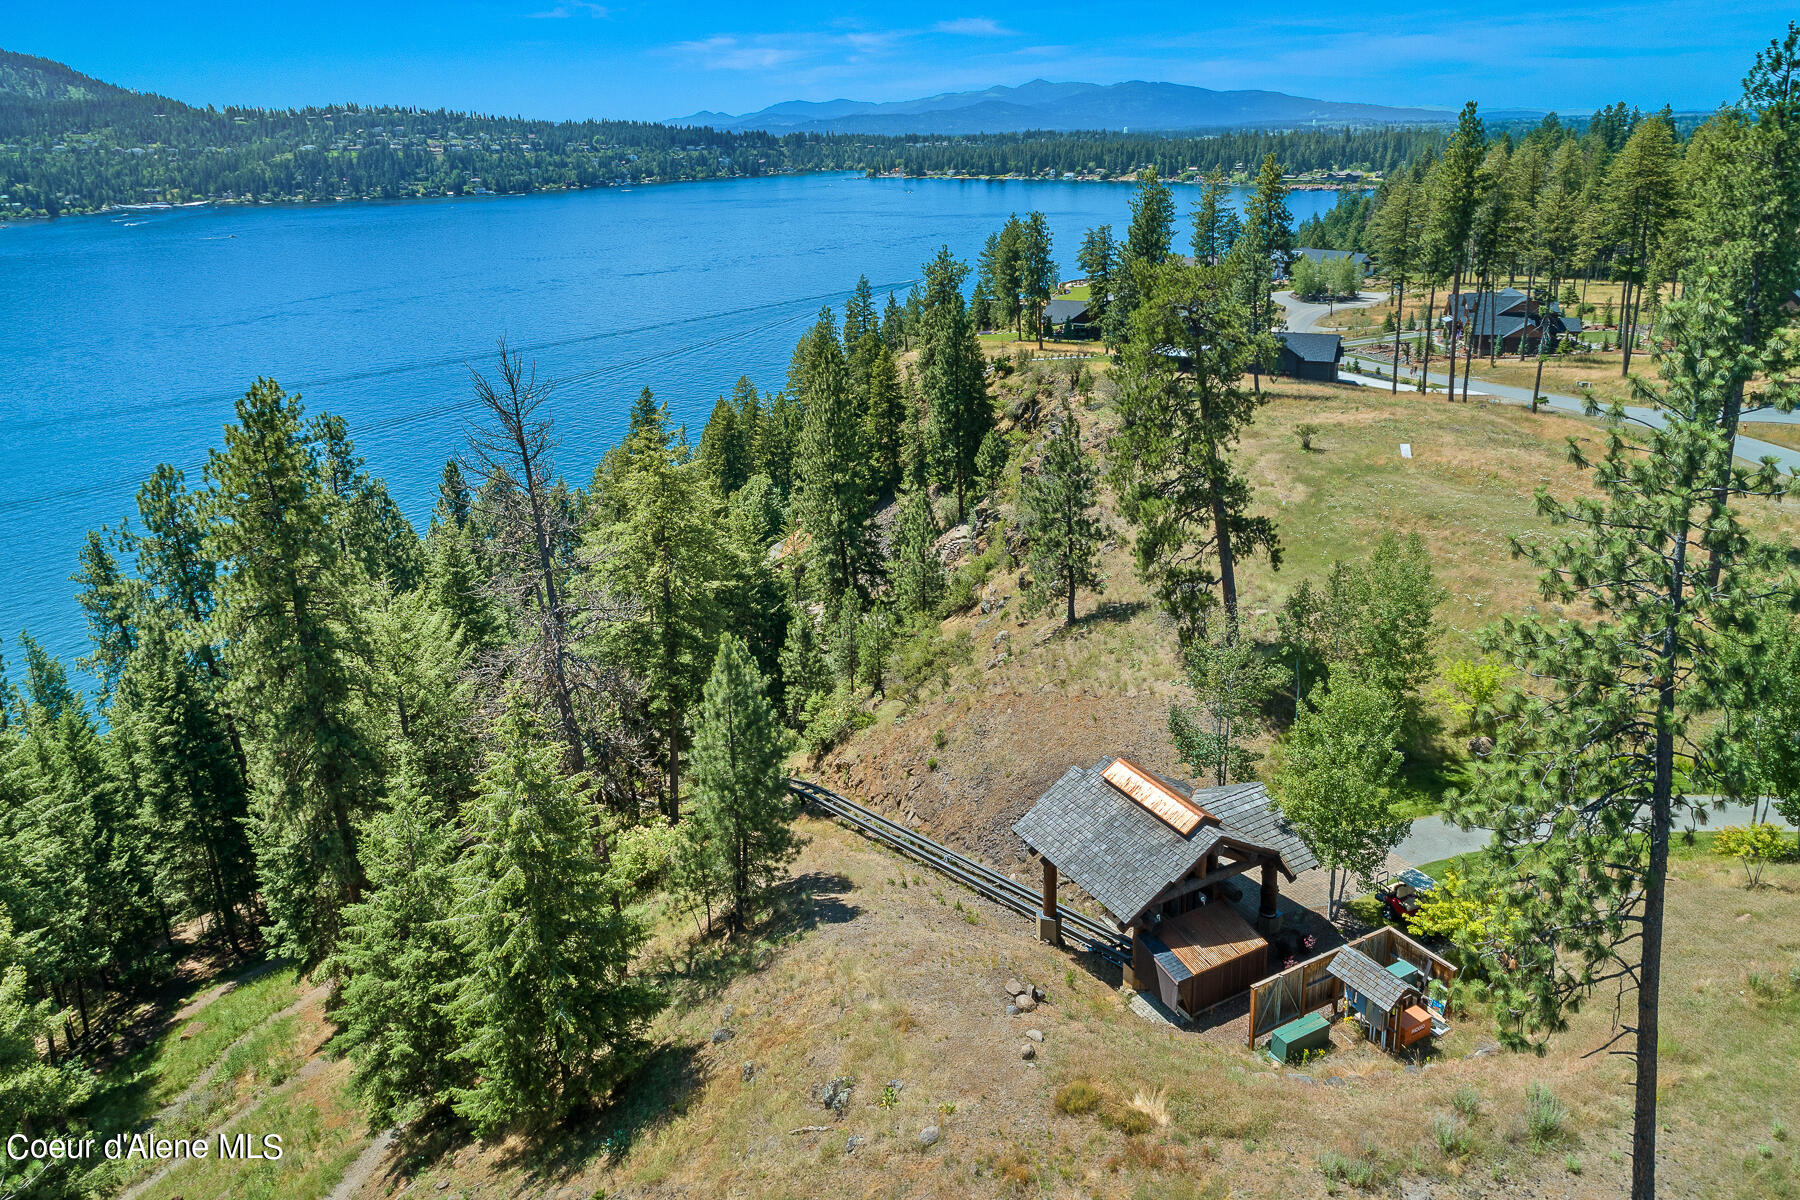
1040, 104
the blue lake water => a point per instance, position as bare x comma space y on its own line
124, 338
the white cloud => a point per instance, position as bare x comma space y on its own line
766, 51
571, 8
973, 27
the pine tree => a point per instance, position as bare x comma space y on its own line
884, 415
1454, 196
859, 313
294, 631
111, 601
1037, 269
196, 798
740, 782
550, 1017
804, 672
1181, 414
400, 960
913, 567
1395, 234
1593, 761
1099, 260
1056, 516
1263, 247
1152, 229
666, 563
1216, 225
419, 695
952, 379
36, 1098
832, 499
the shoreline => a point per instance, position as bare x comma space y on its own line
21, 220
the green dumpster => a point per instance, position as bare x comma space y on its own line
1405, 972
1311, 1032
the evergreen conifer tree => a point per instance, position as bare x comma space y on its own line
740, 781
913, 567
1057, 518
549, 1015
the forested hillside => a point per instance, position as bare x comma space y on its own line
457, 778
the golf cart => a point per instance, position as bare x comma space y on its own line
1400, 894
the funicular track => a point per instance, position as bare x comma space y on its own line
1084, 932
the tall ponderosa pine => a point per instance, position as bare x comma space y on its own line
1182, 407
742, 811
1264, 244
550, 1016
665, 563
1037, 269
830, 471
1216, 225
1056, 513
1395, 233
294, 631
1099, 262
952, 377
1594, 760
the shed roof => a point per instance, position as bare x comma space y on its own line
1313, 347
1122, 855
1361, 973
1207, 937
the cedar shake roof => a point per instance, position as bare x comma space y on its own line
1361, 973
1123, 855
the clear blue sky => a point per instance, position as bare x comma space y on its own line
628, 58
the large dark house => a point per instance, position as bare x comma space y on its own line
1071, 319
1507, 321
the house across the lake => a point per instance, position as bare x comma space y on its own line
1507, 321
1162, 858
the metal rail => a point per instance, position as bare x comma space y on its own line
984, 881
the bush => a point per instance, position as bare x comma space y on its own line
1306, 431
1453, 1136
1077, 1097
831, 717
1545, 1117
1467, 1102
929, 655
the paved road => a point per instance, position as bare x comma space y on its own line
1303, 316
1747, 447
1435, 837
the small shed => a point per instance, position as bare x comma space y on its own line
1312, 356
1390, 1008
1205, 955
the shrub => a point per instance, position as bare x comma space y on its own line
1364, 1172
1754, 846
1453, 1137
830, 717
1467, 1102
1077, 1096
1306, 431
1125, 1118
1545, 1117
928, 656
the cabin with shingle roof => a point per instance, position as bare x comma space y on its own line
1160, 857
1506, 321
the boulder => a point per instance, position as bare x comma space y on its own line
953, 545
1014, 988
1025, 1003
722, 1035
1481, 746
1028, 1051
1036, 1035
929, 1136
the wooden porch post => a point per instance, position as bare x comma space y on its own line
1049, 916
1268, 913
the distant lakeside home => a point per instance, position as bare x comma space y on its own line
1506, 321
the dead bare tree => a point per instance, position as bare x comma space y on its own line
511, 452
